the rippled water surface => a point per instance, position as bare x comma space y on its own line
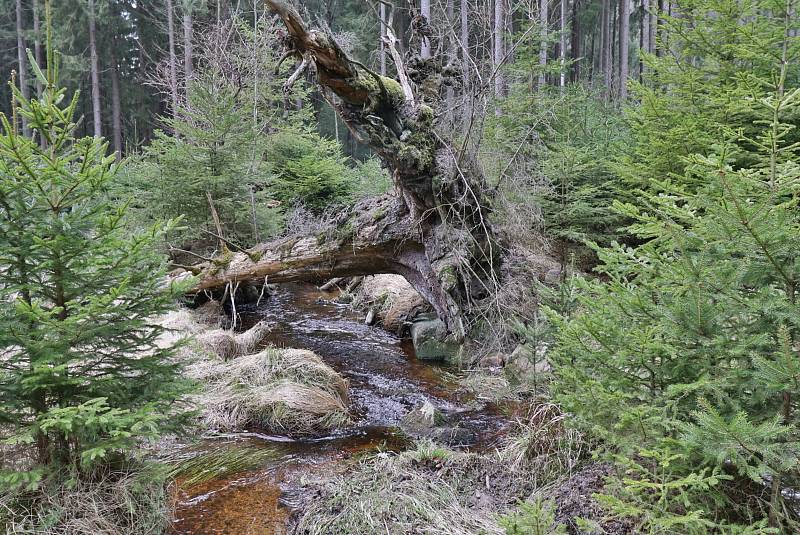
386, 382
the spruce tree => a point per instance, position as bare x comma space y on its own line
683, 358
83, 378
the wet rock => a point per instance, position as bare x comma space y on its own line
394, 300
345, 298
247, 293
403, 309
429, 337
422, 419
426, 421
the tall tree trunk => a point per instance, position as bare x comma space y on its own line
116, 106
624, 41
451, 54
614, 47
37, 44
22, 64
576, 40
499, 47
187, 44
466, 109
653, 15
593, 56
544, 20
562, 81
425, 11
663, 9
465, 59
644, 36
96, 109
606, 63
382, 39
173, 60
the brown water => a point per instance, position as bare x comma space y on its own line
386, 382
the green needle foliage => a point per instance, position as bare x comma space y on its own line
212, 149
684, 358
82, 377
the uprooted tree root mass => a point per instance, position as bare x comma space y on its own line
437, 232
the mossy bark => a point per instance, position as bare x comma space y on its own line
448, 251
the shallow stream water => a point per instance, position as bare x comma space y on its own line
386, 382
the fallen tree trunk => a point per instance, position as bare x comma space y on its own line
437, 234
370, 239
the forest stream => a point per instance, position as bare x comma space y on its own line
386, 382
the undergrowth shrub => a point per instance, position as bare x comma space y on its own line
682, 357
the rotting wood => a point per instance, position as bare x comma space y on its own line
438, 234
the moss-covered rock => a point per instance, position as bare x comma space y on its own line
429, 336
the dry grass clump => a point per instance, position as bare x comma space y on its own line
289, 391
487, 386
282, 390
428, 490
542, 444
131, 502
228, 344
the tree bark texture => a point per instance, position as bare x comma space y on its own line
188, 31
499, 47
607, 44
624, 42
544, 20
425, 11
116, 107
576, 43
97, 116
437, 231
173, 60
37, 44
562, 51
22, 63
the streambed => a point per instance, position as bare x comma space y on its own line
386, 382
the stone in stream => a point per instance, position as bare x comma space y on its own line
426, 421
422, 418
428, 335
392, 300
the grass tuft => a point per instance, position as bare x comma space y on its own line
542, 445
132, 501
429, 489
281, 390
192, 467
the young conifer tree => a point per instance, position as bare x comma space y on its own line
685, 359
82, 377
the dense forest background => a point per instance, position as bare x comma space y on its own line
633, 165
129, 59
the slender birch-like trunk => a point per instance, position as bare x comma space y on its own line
95, 67
22, 64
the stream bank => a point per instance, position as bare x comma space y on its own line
386, 383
